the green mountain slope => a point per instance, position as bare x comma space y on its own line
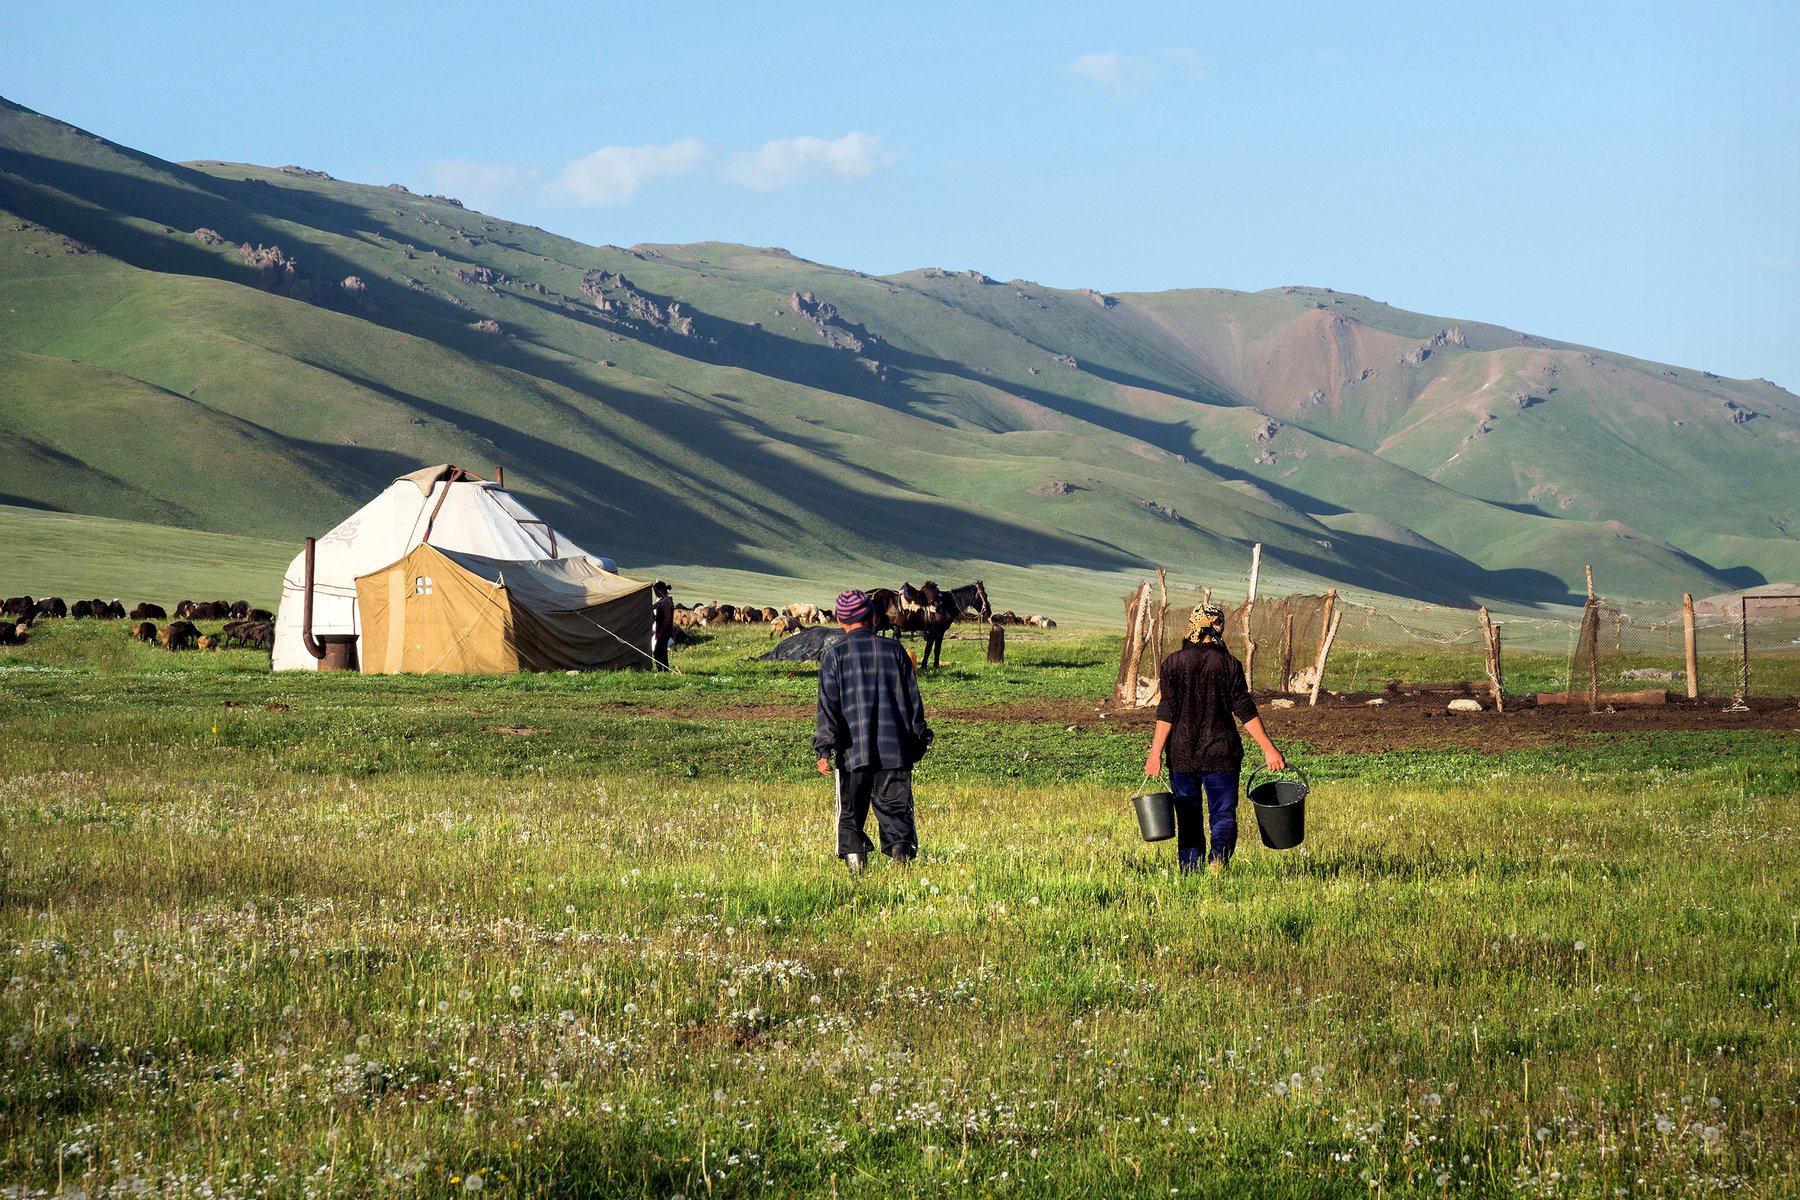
253, 351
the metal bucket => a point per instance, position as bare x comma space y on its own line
1280, 808
1155, 814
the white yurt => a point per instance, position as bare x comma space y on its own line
444, 507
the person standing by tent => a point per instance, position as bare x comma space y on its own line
872, 719
662, 628
1203, 688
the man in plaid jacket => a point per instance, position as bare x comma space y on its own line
872, 719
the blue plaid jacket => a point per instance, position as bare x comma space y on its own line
870, 711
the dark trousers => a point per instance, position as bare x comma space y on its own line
659, 650
889, 792
1194, 819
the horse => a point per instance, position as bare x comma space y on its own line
933, 616
909, 609
971, 601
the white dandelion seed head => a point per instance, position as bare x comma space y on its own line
515, 991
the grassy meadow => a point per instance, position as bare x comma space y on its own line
545, 936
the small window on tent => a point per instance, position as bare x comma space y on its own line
422, 586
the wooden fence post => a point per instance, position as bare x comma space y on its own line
1324, 628
1249, 608
1490, 636
1325, 647
1693, 645
1125, 689
1590, 635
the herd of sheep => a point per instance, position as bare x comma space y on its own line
253, 628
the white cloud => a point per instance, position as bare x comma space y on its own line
613, 174
482, 186
1107, 70
1124, 73
781, 163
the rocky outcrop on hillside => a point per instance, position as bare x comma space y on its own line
621, 303
1452, 336
836, 332
208, 237
1100, 298
278, 272
485, 278
304, 172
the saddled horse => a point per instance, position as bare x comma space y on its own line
928, 611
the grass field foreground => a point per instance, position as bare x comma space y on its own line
272, 935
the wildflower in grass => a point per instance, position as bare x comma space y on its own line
515, 991
473, 1182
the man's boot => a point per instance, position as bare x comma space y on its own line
854, 863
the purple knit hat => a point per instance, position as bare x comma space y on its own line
852, 606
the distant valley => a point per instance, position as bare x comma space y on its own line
255, 351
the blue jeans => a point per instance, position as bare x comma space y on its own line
1217, 791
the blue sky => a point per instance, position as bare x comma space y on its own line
1621, 175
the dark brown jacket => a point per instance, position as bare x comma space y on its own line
1203, 688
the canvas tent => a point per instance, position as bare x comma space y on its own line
443, 611
454, 512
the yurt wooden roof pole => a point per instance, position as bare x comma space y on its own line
306, 634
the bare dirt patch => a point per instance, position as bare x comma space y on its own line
1349, 725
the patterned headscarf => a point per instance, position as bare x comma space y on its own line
1207, 620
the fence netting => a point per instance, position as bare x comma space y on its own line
1383, 645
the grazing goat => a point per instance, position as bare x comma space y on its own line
54, 607
783, 625
143, 631
178, 635
148, 612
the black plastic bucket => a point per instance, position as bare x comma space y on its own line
1280, 808
1156, 815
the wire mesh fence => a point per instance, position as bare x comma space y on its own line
1287, 642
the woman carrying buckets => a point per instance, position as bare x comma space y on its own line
1203, 688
